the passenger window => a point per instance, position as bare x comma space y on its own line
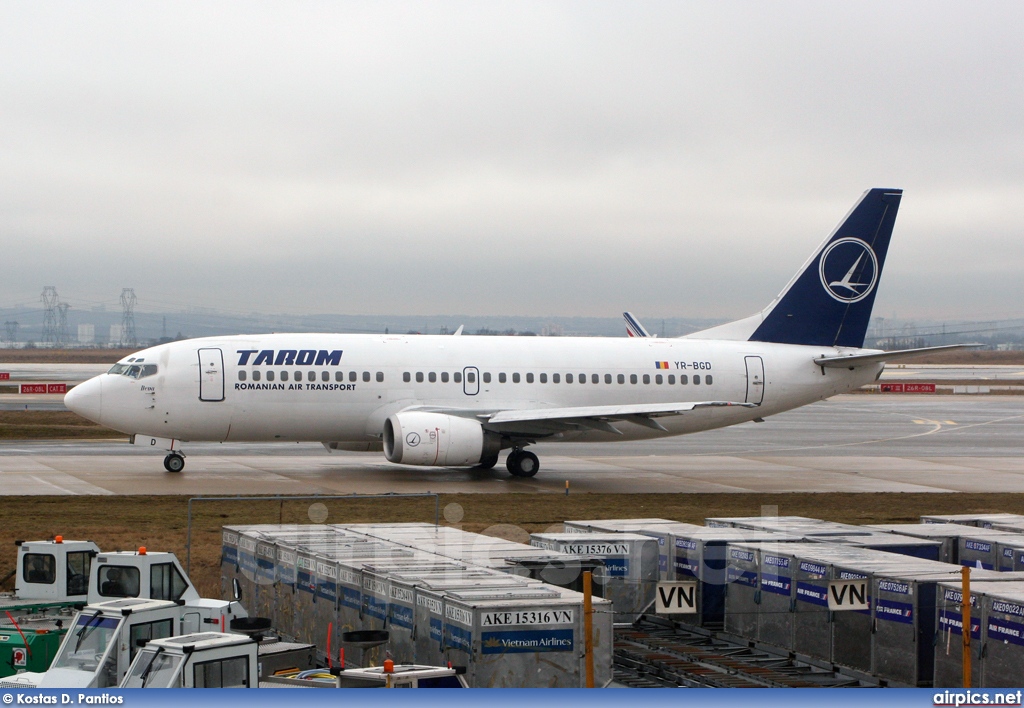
696, 379
529, 378
568, 378
594, 378
406, 377
380, 377
515, 378
242, 375
146, 632
284, 375
339, 376
166, 583
118, 581
222, 673
543, 378
432, 377
632, 378
298, 375
501, 377
79, 564
647, 378
444, 377
556, 378
487, 377
621, 378
672, 378
419, 377
583, 378
608, 378
457, 377
352, 376
707, 379
470, 377
683, 379
325, 375
256, 375
39, 568
658, 379
270, 376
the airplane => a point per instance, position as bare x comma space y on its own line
444, 401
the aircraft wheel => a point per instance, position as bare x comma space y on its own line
174, 462
522, 464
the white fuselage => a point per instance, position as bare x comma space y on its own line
296, 387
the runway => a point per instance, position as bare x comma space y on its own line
853, 443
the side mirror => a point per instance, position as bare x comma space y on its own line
236, 589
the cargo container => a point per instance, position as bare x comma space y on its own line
629, 575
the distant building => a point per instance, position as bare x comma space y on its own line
86, 334
115, 335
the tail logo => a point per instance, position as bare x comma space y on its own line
848, 269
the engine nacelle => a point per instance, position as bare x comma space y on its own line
437, 440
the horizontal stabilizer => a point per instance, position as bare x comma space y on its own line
856, 360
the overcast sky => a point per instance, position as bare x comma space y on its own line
555, 158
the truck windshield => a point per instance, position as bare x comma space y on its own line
153, 668
86, 644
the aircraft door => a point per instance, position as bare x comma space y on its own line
211, 375
471, 381
755, 379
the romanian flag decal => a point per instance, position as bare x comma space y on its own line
661, 365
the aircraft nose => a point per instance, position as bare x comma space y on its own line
86, 399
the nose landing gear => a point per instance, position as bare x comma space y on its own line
521, 463
174, 462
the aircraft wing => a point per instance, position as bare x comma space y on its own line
854, 361
548, 421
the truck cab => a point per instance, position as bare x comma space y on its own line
105, 637
200, 660
155, 576
56, 571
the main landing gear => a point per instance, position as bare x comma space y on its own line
521, 463
174, 462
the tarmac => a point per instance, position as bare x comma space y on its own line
852, 443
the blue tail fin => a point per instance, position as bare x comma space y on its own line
829, 302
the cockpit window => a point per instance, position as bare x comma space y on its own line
134, 371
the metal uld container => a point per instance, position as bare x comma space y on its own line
663, 535
778, 597
979, 548
851, 629
394, 588
904, 630
984, 521
1003, 612
630, 574
701, 555
742, 595
948, 536
948, 671
614, 525
924, 549
426, 633
526, 638
759, 522
812, 622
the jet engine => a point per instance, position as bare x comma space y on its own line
437, 439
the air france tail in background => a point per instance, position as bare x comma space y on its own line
461, 401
